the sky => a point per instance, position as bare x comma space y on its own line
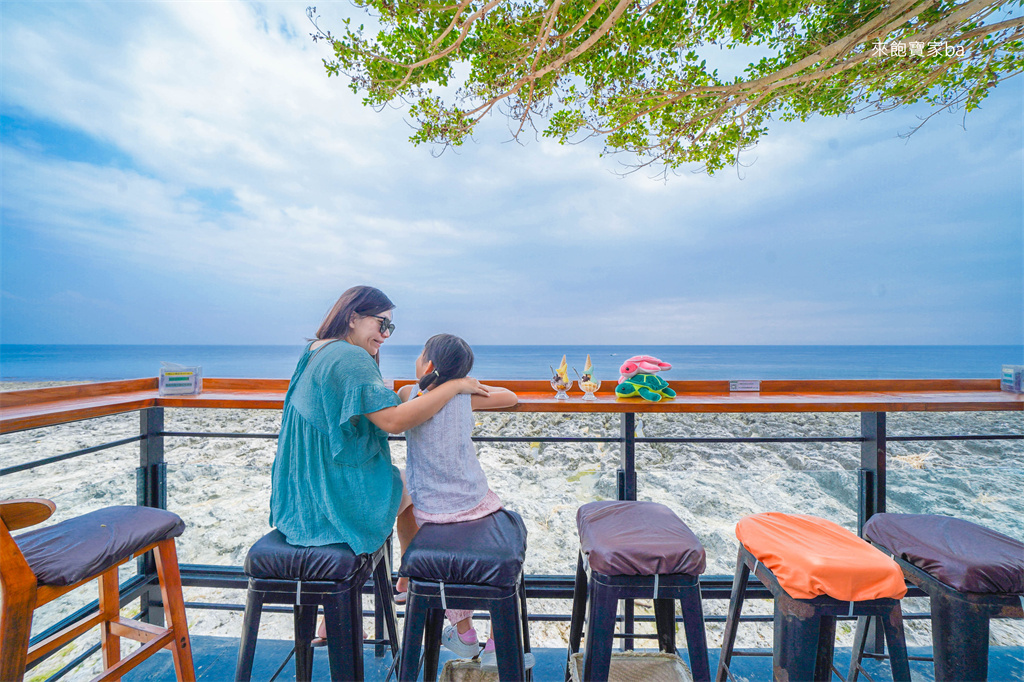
186, 173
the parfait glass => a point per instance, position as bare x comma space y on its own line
589, 388
561, 386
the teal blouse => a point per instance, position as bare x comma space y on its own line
332, 479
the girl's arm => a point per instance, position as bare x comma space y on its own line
414, 412
496, 398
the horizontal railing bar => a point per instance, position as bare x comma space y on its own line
215, 434
68, 455
75, 662
1008, 436
759, 439
611, 439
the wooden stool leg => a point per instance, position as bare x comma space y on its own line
732, 621
17, 605
174, 607
696, 635
110, 607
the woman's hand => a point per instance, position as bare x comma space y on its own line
471, 386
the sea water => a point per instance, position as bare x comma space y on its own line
22, 362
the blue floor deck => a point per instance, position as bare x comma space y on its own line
215, 662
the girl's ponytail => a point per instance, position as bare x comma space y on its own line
452, 358
429, 380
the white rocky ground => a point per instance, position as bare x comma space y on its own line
221, 487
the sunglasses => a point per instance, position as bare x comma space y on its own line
386, 325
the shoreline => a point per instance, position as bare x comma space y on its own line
220, 486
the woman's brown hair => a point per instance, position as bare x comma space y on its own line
360, 300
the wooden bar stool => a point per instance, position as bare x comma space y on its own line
41, 565
469, 565
817, 571
306, 578
636, 550
971, 575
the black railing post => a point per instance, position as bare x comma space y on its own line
872, 467
871, 495
626, 478
151, 491
626, 475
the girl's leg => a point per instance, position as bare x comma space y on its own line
406, 526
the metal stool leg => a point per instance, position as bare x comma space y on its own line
895, 639
597, 652
250, 628
304, 617
860, 637
665, 623
959, 640
579, 613
696, 636
412, 641
432, 644
506, 628
732, 621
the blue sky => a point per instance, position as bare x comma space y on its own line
185, 172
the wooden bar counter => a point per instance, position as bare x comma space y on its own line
34, 408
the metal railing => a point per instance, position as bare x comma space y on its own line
151, 490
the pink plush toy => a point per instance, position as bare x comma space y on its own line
641, 364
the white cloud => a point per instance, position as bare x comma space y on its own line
252, 172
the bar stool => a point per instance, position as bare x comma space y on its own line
971, 574
635, 550
816, 570
43, 564
469, 565
331, 576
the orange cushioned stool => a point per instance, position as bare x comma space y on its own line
817, 571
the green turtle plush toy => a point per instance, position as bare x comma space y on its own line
638, 378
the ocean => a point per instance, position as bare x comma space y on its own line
22, 362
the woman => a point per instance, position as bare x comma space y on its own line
332, 479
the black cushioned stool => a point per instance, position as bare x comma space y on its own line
971, 574
468, 565
816, 571
308, 577
635, 550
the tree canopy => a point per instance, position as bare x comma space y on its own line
636, 72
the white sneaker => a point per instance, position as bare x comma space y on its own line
489, 661
452, 642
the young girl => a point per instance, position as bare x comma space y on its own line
443, 474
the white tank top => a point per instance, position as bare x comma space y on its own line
442, 470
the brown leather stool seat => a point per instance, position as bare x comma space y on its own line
636, 550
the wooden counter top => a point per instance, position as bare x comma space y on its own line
28, 409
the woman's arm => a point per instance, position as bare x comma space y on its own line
497, 398
414, 412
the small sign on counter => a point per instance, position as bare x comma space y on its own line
745, 385
1012, 379
180, 380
